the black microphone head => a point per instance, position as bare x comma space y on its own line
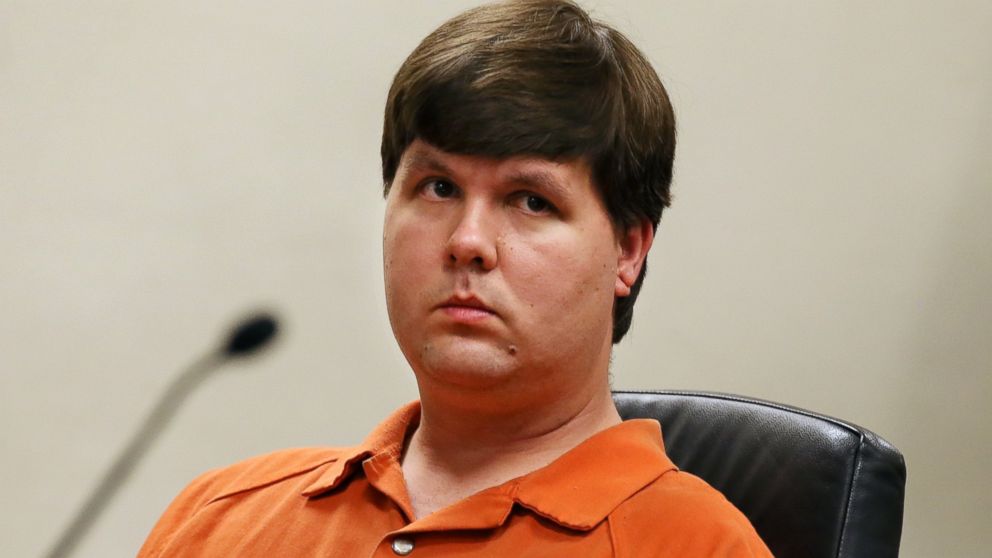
251, 335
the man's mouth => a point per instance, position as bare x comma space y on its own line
467, 309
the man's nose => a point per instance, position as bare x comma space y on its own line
473, 241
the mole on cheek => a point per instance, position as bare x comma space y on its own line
512, 349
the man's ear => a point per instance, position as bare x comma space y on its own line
634, 244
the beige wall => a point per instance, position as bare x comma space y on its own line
164, 168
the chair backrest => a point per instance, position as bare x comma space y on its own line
812, 486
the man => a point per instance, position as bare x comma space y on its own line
527, 156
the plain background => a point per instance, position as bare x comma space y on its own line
166, 167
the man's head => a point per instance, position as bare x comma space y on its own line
540, 78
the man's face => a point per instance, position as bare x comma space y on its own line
501, 270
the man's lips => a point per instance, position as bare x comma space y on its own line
466, 309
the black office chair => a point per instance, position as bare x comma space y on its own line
812, 486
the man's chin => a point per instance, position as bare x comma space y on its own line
468, 362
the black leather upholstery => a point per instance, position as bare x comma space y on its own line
812, 486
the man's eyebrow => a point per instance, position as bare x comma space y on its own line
419, 160
540, 180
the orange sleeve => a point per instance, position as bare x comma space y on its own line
210, 486
681, 516
192, 498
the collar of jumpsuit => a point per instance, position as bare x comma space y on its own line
576, 492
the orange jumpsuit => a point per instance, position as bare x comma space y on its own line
617, 494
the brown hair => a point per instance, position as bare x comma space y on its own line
540, 77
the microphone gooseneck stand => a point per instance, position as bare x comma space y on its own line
248, 337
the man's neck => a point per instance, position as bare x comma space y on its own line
456, 452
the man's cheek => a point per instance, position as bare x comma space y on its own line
404, 246
549, 289
562, 274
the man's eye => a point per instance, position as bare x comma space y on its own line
439, 189
536, 204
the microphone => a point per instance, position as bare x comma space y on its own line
246, 338
251, 335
